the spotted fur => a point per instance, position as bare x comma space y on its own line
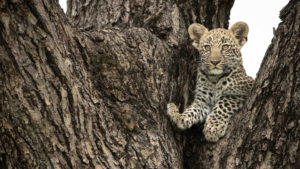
222, 83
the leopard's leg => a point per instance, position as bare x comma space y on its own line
195, 113
217, 121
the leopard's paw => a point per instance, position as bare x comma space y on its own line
214, 131
172, 109
182, 121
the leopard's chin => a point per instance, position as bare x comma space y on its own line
216, 71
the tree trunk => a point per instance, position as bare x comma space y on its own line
93, 94
90, 90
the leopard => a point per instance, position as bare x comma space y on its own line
222, 85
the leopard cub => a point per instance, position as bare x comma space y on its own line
222, 83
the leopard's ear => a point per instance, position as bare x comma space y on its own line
240, 32
196, 31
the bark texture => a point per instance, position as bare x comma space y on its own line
90, 91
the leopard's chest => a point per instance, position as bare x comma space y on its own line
211, 91
216, 90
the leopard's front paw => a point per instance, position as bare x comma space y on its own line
213, 132
182, 121
172, 109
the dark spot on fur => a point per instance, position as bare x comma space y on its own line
231, 102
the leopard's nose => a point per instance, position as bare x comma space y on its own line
215, 62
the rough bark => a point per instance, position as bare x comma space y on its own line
90, 91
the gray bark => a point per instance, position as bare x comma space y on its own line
89, 90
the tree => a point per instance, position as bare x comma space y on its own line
90, 90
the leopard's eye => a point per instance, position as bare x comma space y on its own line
225, 47
207, 47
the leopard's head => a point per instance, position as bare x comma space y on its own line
219, 49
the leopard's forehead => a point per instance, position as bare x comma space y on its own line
217, 37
